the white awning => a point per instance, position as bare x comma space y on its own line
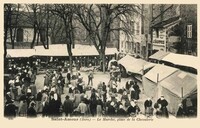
159, 55
159, 72
134, 65
182, 60
15, 53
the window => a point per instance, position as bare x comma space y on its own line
138, 29
20, 35
126, 47
189, 31
157, 33
132, 27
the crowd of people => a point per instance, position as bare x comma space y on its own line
22, 98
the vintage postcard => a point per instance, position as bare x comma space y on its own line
99, 64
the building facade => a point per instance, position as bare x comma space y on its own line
131, 44
174, 28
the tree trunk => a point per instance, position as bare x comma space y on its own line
38, 34
102, 61
43, 43
34, 36
6, 34
11, 37
47, 21
69, 49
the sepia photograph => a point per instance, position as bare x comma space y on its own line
106, 61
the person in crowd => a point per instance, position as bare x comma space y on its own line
104, 92
22, 111
99, 88
132, 93
87, 102
125, 96
188, 106
45, 102
90, 78
80, 87
8, 97
128, 85
58, 104
47, 79
61, 83
93, 103
52, 105
68, 77
67, 106
163, 106
133, 109
82, 108
121, 112
99, 107
31, 112
77, 98
12, 87
180, 113
33, 77
33, 89
10, 109
137, 90
39, 106
148, 107
111, 109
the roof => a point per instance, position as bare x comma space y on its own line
159, 55
59, 50
166, 22
127, 62
111, 51
135, 65
162, 70
14, 53
182, 60
179, 80
79, 50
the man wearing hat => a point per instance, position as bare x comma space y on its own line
67, 106
90, 78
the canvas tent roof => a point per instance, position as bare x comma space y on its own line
14, 53
79, 50
162, 70
179, 80
134, 65
182, 60
54, 50
127, 62
111, 51
140, 65
159, 55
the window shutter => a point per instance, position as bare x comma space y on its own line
189, 31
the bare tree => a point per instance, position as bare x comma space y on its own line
37, 16
66, 13
11, 20
98, 20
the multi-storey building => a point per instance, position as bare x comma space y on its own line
132, 45
174, 28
